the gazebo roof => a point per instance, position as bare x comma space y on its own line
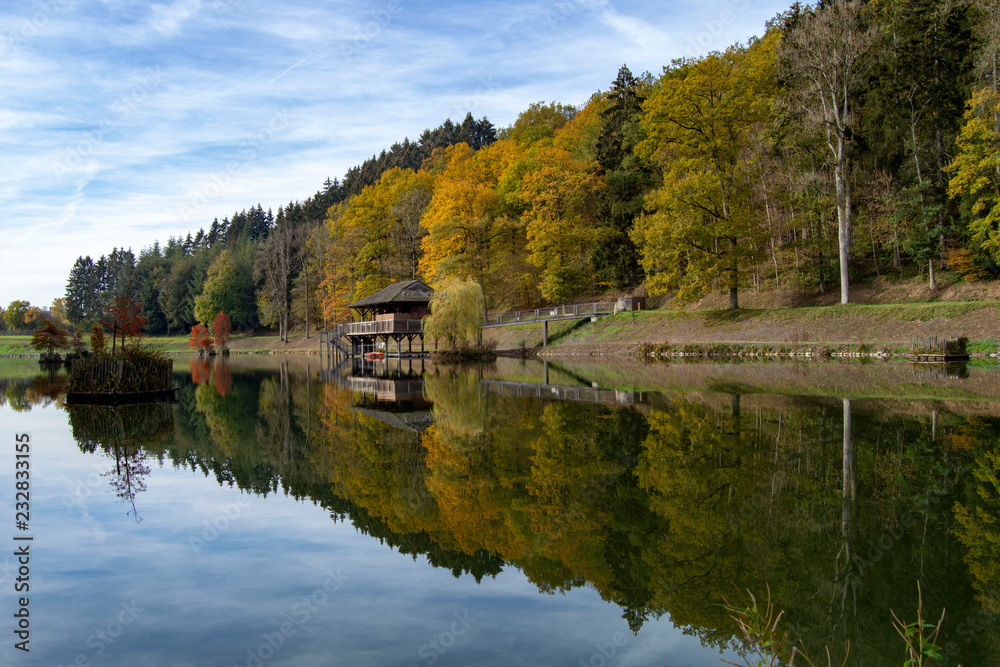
409, 291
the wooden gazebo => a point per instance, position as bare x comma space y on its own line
395, 313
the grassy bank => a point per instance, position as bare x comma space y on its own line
882, 326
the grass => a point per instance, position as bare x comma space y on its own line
16, 345
766, 644
890, 326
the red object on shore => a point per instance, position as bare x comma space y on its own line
374, 356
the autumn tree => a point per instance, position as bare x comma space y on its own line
49, 338
539, 121
335, 286
221, 327
471, 229
825, 51
559, 190
377, 236
59, 311
200, 340
33, 316
97, 344
125, 319
976, 169
701, 123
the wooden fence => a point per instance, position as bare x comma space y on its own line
111, 376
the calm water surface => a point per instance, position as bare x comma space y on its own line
288, 513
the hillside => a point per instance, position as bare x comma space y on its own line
887, 314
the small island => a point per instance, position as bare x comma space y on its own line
130, 372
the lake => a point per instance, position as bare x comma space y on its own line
574, 512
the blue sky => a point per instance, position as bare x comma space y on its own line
124, 122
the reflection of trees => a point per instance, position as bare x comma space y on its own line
223, 376
17, 398
664, 511
44, 389
201, 369
978, 516
128, 476
123, 432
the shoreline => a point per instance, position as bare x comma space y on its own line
856, 330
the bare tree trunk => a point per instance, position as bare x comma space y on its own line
843, 222
897, 262
913, 137
734, 302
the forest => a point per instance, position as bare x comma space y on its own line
852, 141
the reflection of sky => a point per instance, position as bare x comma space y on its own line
90, 558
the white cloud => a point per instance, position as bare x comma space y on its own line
167, 19
638, 31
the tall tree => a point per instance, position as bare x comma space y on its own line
826, 49
701, 123
976, 169
15, 314
470, 230
558, 190
83, 292
627, 179
229, 288
275, 262
456, 312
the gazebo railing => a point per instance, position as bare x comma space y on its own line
382, 327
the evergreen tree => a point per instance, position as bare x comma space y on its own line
627, 178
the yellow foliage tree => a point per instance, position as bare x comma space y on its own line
700, 123
558, 191
376, 237
472, 232
976, 169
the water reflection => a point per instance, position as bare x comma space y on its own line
663, 502
929, 372
41, 389
124, 434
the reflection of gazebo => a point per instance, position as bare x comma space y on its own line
395, 313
